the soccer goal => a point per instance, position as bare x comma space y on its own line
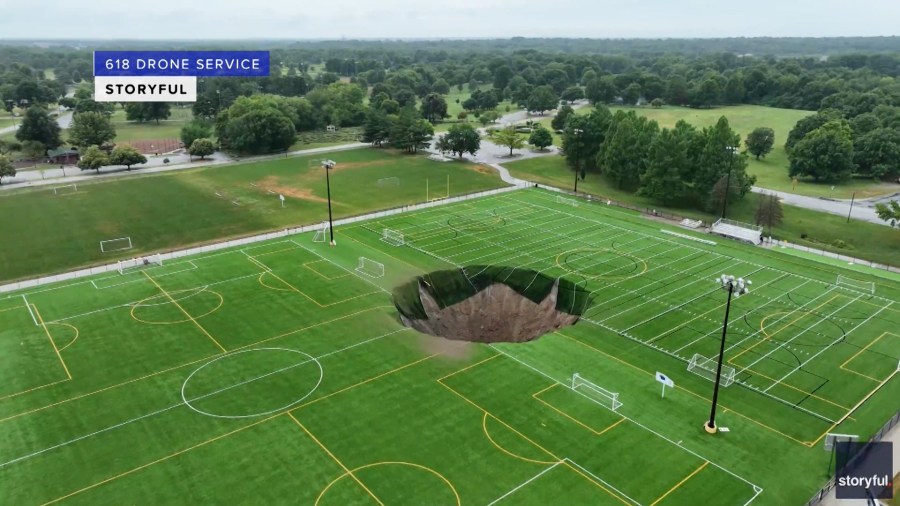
119, 244
595, 392
370, 268
855, 284
65, 189
563, 200
135, 263
388, 182
392, 237
321, 233
706, 367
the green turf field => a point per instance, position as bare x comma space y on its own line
278, 372
164, 211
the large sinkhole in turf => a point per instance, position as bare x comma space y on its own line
489, 304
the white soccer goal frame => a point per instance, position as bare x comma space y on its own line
104, 249
387, 182
607, 398
321, 233
370, 268
134, 263
563, 200
706, 367
855, 284
73, 186
393, 237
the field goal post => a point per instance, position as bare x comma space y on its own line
563, 200
855, 284
393, 237
595, 392
148, 261
65, 189
388, 182
370, 268
706, 367
118, 244
321, 233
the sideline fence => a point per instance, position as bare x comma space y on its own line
837, 256
113, 267
878, 436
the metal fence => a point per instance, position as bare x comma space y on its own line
838, 256
878, 436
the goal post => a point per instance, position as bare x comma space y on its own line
369, 267
706, 367
393, 237
118, 244
321, 233
563, 200
595, 392
65, 189
855, 284
149, 261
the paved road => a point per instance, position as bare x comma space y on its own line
861, 209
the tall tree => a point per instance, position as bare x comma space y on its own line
669, 165
411, 132
93, 158
622, 155
601, 90
38, 126
760, 141
562, 115
196, 129
806, 125
769, 212
91, 129
583, 137
377, 128
434, 107
202, 147
462, 138
540, 137
147, 111
825, 154
509, 138
127, 156
718, 163
631, 94
889, 212
877, 153
7, 169
543, 98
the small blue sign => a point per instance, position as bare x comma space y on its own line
181, 63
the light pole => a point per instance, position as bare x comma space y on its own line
328, 165
733, 151
736, 288
577, 133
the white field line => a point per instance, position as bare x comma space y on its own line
784, 343
623, 494
635, 422
526, 482
675, 274
27, 305
376, 285
755, 309
497, 233
204, 396
141, 278
810, 359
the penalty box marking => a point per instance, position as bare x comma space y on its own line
845, 366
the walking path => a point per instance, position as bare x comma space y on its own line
861, 208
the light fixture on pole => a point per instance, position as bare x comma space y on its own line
735, 288
328, 165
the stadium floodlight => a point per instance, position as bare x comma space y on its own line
328, 165
735, 288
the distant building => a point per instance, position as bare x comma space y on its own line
63, 156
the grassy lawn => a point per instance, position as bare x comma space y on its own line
6, 121
166, 129
175, 209
322, 138
277, 373
821, 229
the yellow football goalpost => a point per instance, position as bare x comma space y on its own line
429, 198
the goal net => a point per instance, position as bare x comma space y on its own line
370, 268
392, 237
321, 233
388, 182
134, 263
119, 244
706, 367
65, 189
855, 284
595, 392
563, 200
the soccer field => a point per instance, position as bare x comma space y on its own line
279, 372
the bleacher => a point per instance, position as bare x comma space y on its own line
689, 223
737, 230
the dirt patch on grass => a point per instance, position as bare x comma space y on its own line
270, 184
496, 314
153, 146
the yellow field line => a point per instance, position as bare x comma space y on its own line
563, 413
32, 389
306, 265
680, 483
757, 373
295, 289
617, 359
345, 468
767, 336
44, 325
418, 268
858, 353
504, 450
213, 339
291, 248
492, 357
73, 327
526, 438
157, 461
11, 308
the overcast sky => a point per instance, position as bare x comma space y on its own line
302, 19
